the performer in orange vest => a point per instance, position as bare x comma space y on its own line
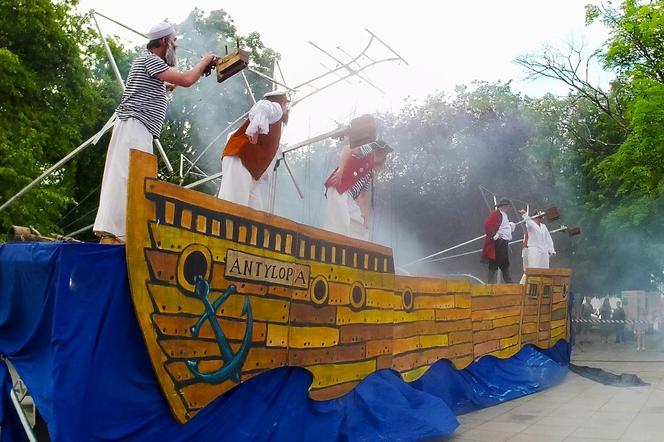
498, 229
250, 153
347, 206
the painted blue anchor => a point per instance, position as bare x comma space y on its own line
232, 362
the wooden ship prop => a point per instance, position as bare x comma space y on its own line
224, 293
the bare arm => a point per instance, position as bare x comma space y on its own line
188, 78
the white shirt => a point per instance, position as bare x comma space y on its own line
261, 115
539, 236
506, 227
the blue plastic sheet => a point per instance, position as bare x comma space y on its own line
10, 424
68, 326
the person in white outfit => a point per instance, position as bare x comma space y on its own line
140, 116
538, 245
251, 152
347, 189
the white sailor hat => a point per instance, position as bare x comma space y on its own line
276, 93
160, 30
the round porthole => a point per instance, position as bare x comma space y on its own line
319, 290
358, 295
195, 260
407, 300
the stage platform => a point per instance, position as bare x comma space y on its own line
68, 326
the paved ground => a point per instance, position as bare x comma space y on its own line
580, 409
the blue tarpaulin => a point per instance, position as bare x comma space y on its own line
68, 326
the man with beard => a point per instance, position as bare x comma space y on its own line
140, 116
347, 189
251, 152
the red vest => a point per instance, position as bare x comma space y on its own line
255, 157
356, 169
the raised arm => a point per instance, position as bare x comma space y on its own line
188, 78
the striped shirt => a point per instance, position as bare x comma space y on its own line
144, 97
363, 183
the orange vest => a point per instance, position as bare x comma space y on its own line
255, 157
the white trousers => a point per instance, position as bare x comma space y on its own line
237, 184
537, 258
343, 215
533, 258
112, 213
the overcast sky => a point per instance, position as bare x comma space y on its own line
445, 44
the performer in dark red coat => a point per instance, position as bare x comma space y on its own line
495, 252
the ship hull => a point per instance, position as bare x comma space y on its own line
223, 293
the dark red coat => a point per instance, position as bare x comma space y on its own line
491, 226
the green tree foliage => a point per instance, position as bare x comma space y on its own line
47, 104
59, 89
632, 178
636, 46
612, 154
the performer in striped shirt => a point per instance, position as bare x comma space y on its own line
140, 116
347, 206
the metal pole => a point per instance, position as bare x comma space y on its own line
203, 180
92, 11
299, 192
281, 74
246, 84
335, 73
342, 66
193, 163
271, 79
272, 181
109, 54
21, 415
560, 229
162, 152
198, 169
81, 230
464, 243
59, 164
443, 251
340, 131
340, 79
386, 45
272, 190
350, 69
116, 71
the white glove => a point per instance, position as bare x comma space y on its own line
552, 253
496, 236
